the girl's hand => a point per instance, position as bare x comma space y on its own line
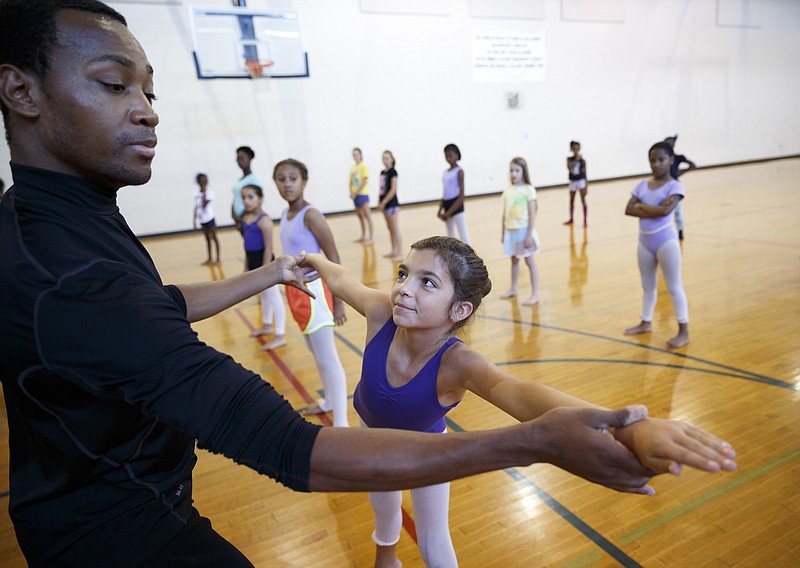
665, 446
293, 274
381, 207
528, 242
338, 312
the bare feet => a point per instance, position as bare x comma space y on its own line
361, 240
510, 293
644, 327
208, 263
585, 224
365, 241
278, 341
534, 299
567, 222
681, 339
266, 330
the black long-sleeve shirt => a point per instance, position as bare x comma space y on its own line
107, 386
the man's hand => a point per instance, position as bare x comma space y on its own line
580, 443
293, 274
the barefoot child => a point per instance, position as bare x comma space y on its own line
653, 201
304, 229
576, 166
391, 206
204, 216
359, 193
257, 234
519, 236
415, 370
451, 209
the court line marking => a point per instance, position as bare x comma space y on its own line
748, 375
633, 362
749, 476
284, 369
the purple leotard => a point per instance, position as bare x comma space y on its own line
253, 237
413, 406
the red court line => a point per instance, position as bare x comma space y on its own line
408, 522
298, 386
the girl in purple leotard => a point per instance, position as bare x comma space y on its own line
415, 370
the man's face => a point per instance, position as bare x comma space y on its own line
96, 119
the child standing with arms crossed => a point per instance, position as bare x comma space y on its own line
304, 229
415, 370
257, 234
576, 166
204, 216
390, 206
519, 236
359, 193
653, 201
451, 209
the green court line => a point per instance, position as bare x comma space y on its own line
700, 500
666, 518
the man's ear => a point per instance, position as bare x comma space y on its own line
19, 91
460, 311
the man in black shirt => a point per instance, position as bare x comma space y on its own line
107, 386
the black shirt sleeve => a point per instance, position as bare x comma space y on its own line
117, 334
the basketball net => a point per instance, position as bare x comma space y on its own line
259, 68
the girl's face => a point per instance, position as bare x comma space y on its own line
242, 160
252, 202
290, 183
357, 156
423, 292
576, 148
451, 157
387, 161
202, 181
516, 174
660, 162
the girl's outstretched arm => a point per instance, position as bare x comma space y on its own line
342, 284
664, 446
661, 445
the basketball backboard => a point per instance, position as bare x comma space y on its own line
225, 39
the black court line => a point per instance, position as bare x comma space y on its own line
773, 382
738, 373
579, 524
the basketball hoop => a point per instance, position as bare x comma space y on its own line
258, 68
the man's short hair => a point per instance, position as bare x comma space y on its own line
28, 32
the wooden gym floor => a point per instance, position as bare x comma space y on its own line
738, 377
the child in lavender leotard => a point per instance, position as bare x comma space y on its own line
653, 201
451, 208
304, 229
